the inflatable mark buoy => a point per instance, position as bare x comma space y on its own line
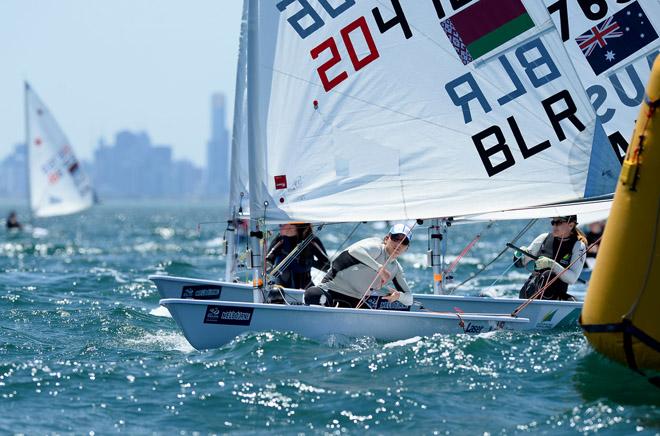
621, 314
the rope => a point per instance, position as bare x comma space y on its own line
467, 248
561, 241
277, 270
389, 259
540, 292
341, 246
513, 241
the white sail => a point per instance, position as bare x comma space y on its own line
58, 184
612, 45
238, 173
377, 110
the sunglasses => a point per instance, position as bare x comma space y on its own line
403, 239
557, 222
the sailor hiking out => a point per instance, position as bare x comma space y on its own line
366, 269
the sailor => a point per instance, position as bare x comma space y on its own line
594, 232
297, 274
367, 267
12, 221
561, 252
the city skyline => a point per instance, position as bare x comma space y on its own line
134, 166
102, 68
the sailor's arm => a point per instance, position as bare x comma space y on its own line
573, 273
361, 253
275, 245
534, 248
320, 257
400, 284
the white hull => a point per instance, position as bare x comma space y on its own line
211, 324
542, 314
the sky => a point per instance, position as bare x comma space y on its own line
106, 66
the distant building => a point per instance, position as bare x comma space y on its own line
217, 151
13, 174
135, 168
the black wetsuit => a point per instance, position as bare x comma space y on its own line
13, 224
298, 274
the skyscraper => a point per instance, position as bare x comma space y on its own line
217, 150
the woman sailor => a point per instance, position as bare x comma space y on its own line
561, 253
366, 266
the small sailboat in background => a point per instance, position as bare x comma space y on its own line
57, 184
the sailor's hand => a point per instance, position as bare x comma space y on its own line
544, 263
394, 296
384, 276
518, 257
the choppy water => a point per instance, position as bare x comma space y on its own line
84, 349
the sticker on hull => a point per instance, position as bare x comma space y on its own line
201, 292
229, 315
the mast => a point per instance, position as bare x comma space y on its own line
437, 253
236, 184
27, 148
255, 160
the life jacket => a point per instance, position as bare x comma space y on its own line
561, 251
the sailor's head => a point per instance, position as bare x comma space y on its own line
288, 229
562, 226
397, 239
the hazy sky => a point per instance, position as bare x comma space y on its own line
103, 66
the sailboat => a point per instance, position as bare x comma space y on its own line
366, 112
57, 184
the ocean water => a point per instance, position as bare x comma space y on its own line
85, 349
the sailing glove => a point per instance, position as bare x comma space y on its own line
545, 263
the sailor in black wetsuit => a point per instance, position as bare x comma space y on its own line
366, 266
12, 221
298, 274
556, 250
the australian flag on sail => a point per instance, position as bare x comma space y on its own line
616, 38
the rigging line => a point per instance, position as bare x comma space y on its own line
339, 249
508, 268
277, 270
467, 248
540, 292
513, 241
390, 258
341, 246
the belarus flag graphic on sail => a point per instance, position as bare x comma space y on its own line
484, 26
617, 38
